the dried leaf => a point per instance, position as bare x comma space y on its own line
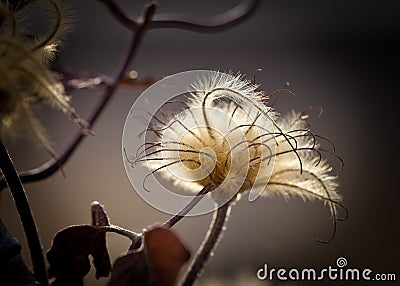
157, 263
130, 270
69, 255
99, 215
13, 270
166, 254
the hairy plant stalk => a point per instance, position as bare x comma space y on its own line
25, 213
133, 236
208, 245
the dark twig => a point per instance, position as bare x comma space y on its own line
25, 214
214, 24
121, 16
101, 82
102, 222
181, 214
50, 167
133, 236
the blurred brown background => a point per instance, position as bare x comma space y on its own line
341, 55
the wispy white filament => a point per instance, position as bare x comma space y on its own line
24, 70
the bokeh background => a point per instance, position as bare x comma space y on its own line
340, 55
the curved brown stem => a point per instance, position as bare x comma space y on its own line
214, 24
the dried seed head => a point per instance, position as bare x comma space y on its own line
26, 76
227, 135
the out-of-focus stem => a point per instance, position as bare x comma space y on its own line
25, 214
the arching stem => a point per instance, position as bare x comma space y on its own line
209, 244
25, 213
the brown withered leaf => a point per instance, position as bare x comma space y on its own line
13, 270
166, 253
157, 263
69, 254
130, 269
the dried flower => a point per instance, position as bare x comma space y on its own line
228, 136
24, 70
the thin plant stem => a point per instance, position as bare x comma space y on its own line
186, 209
25, 214
133, 236
214, 24
208, 245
